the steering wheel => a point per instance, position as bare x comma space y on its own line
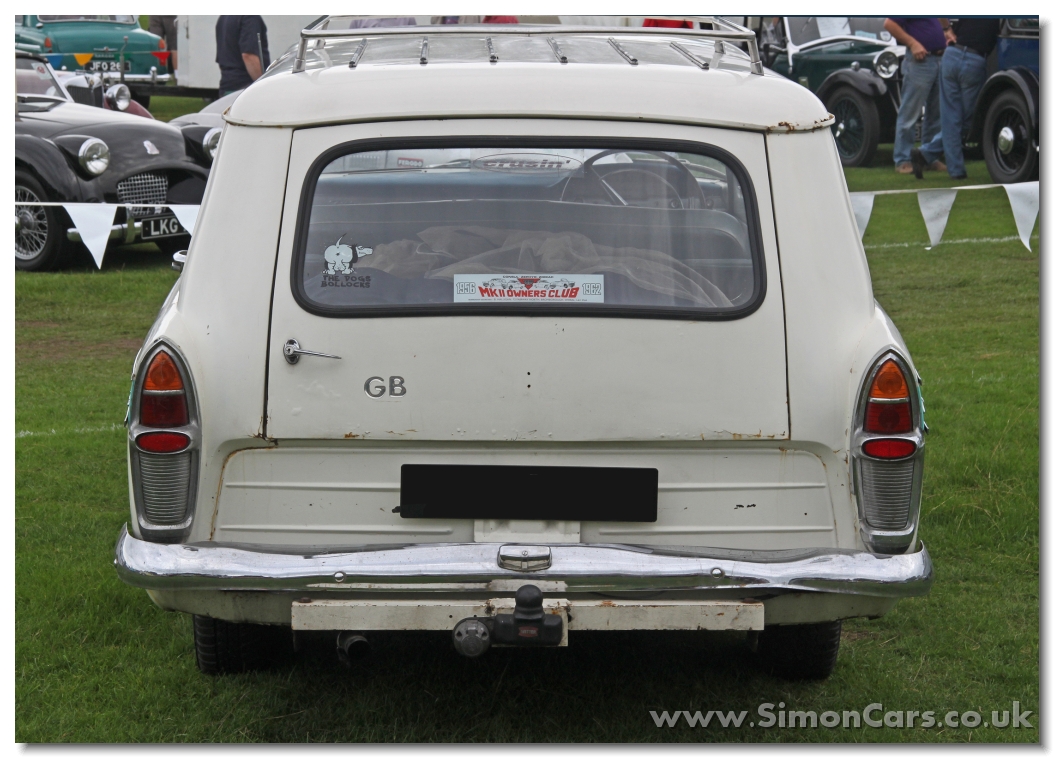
592, 177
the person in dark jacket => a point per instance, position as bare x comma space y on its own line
241, 51
963, 73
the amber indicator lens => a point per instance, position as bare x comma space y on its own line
163, 374
889, 448
162, 442
163, 410
889, 383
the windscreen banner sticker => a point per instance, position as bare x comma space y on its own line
531, 288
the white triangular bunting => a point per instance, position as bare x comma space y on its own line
1024, 202
93, 222
935, 206
187, 215
863, 203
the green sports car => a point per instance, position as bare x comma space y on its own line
113, 45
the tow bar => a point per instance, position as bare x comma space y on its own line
527, 626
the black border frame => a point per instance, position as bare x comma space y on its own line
307, 196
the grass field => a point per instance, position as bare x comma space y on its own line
96, 661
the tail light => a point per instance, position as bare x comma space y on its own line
888, 455
163, 439
161, 45
47, 43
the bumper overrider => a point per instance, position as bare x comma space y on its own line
482, 567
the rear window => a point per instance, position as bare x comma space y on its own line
630, 230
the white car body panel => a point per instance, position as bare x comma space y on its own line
511, 378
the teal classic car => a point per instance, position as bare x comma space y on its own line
852, 65
110, 45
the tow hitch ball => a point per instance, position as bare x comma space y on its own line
527, 626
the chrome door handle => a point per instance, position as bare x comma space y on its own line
292, 352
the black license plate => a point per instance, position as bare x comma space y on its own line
549, 493
161, 226
96, 64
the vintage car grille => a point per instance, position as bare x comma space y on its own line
148, 188
886, 490
166, 483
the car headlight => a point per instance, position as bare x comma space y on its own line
94, 156
886, 64
211, 142
119, 97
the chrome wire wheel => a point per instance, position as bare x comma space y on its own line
31, 236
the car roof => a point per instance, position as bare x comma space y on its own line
621, 74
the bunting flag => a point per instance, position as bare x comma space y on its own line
93, 221
162, 56
863, 204
1024, 202
55, 60
83, 58
187, 215
935, 206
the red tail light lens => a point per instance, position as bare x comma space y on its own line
163, 410
164, 399
888, 404
889, 448
888, 418
162, 442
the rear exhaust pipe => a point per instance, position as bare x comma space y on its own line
351, 646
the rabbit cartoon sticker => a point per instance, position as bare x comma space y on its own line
342, 258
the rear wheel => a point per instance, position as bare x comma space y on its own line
801, 651
1008, 140
855, 126
224, 647
40, 237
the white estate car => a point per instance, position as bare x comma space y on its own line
521, 331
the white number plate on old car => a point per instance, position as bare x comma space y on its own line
162, 226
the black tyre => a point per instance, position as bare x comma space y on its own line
855, 127
40, 239
1012, 158
223, 647
800, 651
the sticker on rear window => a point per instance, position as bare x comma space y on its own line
514, 288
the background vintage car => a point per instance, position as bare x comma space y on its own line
95, 43
852, 65
69, 152
1006, 120
312, 497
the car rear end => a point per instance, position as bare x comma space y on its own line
516, 378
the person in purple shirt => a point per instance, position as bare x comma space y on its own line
925, 39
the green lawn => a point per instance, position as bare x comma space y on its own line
96, 661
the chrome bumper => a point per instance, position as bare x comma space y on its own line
474, 567
127, 233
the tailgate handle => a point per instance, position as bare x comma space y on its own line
292, 352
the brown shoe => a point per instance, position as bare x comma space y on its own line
936, 166
904, 168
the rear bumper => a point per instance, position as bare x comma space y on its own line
473, 567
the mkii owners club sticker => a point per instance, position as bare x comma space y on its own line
531, 288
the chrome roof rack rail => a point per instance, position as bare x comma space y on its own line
722, 30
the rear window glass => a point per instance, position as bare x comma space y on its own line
601, 230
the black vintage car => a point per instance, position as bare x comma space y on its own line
852, 65
69, 152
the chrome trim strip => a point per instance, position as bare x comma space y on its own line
584, 568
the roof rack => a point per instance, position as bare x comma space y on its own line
722, 30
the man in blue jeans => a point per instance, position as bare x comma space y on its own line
925, 40
963, 73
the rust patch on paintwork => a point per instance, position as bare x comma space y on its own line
351, 436
607, 604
